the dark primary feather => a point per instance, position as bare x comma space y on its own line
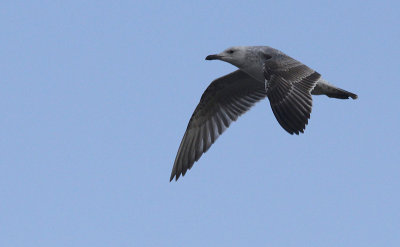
225, 99
289, 91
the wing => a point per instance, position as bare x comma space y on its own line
224, 100
289, 84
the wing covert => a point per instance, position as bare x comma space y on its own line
289, 84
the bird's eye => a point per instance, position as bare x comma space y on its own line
230, 51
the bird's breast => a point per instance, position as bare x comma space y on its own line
257, 72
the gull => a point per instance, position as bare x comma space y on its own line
262, 72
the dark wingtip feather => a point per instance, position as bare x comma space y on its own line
174, 174
172, 177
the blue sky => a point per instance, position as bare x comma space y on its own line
95, 97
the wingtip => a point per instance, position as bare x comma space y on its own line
174, 175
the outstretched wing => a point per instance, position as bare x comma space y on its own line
225, 99
289, 84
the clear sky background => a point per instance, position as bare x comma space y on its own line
95, 97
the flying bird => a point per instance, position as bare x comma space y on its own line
262, 72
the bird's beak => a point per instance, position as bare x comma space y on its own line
213, 57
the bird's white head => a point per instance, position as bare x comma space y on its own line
235, 55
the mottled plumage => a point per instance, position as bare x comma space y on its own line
263, 72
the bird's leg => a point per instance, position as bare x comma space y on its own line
267, 77
266, 85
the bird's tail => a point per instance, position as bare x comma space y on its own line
323, 87
341, 94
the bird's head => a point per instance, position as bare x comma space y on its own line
235, 55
